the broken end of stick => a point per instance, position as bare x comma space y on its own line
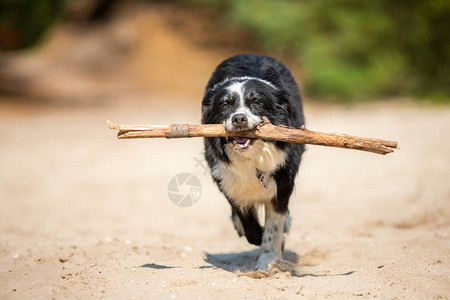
387, 146
120, 134
390, 144
115, 126
112, 125
390, 147
393, 145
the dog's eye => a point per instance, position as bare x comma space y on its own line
252, 97
254, 101
226, 103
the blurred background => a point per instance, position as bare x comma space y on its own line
83, 214
340, 50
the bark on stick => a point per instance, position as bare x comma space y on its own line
265, 131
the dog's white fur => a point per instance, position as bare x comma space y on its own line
238, 179
245, 78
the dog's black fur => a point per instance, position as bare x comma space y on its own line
266, 88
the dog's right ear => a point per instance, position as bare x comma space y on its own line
207, 105
204, 110
205, 114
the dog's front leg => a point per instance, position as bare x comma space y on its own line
272, 238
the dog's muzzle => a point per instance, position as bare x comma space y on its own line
241, 144
241, 122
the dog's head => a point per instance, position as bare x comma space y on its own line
241, 103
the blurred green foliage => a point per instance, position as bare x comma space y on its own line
22, 22
347, 49
353, 49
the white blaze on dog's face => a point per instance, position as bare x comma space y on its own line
241, 117
242, 107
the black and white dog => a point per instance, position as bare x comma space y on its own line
251, 173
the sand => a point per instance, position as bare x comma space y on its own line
84, 215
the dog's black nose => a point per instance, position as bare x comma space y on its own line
239, 120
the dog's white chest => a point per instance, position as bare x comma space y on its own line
239, 179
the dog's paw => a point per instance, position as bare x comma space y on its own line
265, 259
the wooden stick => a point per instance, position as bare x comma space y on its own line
265, 131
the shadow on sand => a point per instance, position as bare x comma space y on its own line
156, 266
244, 262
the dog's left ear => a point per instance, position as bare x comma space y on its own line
283, 101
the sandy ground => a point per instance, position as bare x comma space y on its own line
84, 215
